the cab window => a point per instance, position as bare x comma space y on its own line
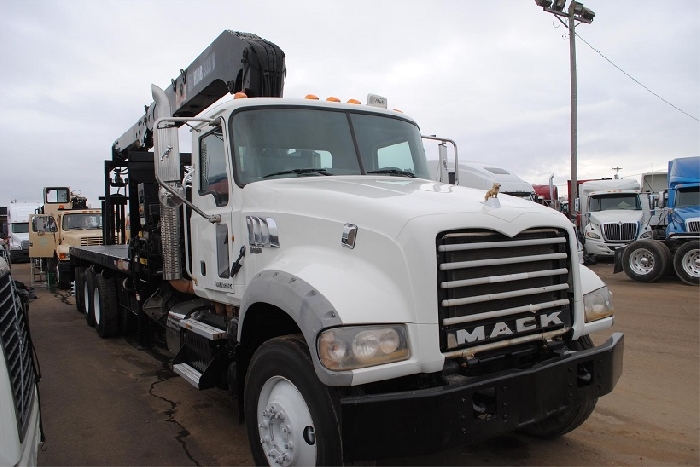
212, 163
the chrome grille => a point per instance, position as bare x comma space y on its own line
493, 288
91, 241
14, 337
25, 244
620, 232
693, 226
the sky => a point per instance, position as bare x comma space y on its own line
493, 76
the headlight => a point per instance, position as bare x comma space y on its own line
592, 234
352, 347
15, 246
646, 234
598, 304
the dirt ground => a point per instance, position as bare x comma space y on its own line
104, 402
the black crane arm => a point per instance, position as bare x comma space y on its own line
235, 61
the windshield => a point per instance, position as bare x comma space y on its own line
82, 221
615, 201
688, 197
20, 227
303, 142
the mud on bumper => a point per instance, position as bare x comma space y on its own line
424, 421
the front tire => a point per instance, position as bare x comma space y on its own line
645, 260
567, 420
290, 416
686, 262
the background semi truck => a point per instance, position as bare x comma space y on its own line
64, 221
483, 176
301, 257
612, 214
678, 244
548, 194
18, 229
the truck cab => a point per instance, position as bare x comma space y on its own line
611, 213
65, 221
683, 196
483, 176
18, 229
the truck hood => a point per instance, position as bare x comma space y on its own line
386, 204
614, 216
391, 273
687, 212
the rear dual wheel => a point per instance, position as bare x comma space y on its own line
101, 309
105, 306
686, 262
88, 296
80, 289
646, 260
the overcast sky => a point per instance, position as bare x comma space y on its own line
492, 75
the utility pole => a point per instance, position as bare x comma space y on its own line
575, 13
617, 171
574, 115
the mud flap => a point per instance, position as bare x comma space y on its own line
618, 259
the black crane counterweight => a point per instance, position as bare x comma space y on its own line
235, 61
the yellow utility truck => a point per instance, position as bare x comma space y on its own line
65, 220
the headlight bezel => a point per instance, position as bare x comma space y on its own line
338, 348
598, 304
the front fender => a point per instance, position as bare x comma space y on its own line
303, 303
339, 288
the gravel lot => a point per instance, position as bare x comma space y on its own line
104, 402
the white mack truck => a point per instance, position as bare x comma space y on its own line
301, 257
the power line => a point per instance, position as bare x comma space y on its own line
632, 78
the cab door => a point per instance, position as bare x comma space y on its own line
42, 236
215, 246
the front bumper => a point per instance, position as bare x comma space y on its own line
602, 249
419, 422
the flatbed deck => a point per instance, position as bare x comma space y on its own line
114, 257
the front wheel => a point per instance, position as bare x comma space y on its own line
567, 420
686, 262
646, 260
290, 416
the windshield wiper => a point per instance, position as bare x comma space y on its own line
405, 173
299, 172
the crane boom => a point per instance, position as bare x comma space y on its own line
235, 61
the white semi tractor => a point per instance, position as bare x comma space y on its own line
612, 215
18, 229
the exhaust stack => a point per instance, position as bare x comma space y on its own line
166, 156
